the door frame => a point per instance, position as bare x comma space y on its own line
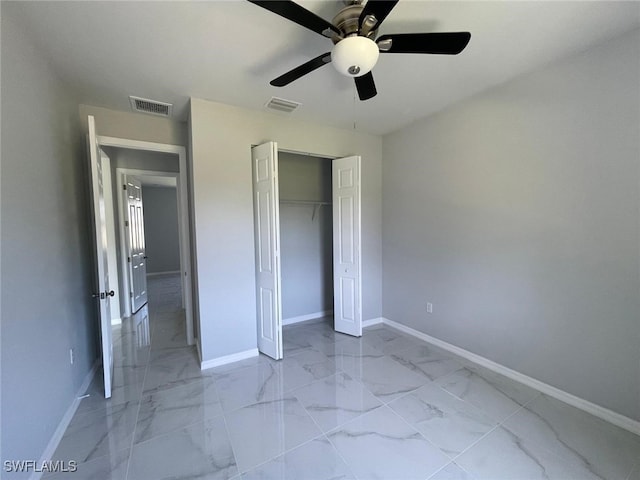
107, 180
184, 234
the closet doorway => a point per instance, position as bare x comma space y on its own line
307, 237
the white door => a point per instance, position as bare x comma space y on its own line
267, 240
136, 255
103, 292
347, 288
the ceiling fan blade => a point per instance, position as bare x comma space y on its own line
366, 86
450, 43
302, 70
300, 15
379, 9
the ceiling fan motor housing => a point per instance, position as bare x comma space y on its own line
347, 21
353, 55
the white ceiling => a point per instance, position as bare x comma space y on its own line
228, 51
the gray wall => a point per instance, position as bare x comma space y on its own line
221, 139
306, 242
517, 214
134, 126
46, 262
142, 159
161, 229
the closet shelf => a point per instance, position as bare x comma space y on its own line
304, 202
316, 204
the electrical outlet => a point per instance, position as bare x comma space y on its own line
71, 356
429, 307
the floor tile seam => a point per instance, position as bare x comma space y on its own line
93, 410
455, 458
402, 394
216, 375
364, 386
466, 403
633, 469
472, 407
346, 421
571, 462
133, 434
91, 460
173, 430
169, 337
398, 362
282, 453
335, 447
406, 422
450, 374
178, 382
176, 429
496, 422
233, 451
318, 380
276, 398
117, 416
337, 429
411, 392
450, 463
156, 362
297, 352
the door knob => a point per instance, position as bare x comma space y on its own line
110, 294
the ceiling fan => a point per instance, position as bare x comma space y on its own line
353, 31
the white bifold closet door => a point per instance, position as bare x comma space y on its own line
267, 242
347, 283
346, 247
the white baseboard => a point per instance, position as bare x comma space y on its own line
50, 449
116, 321
157, 274
304, 318
236, 357
372, 321
610, 416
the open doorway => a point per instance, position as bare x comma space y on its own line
307, 243
306, 238
125, 188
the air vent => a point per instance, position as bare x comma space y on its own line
152, 107
282, 105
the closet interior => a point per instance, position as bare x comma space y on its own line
306, 238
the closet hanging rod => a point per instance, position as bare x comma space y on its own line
304, 202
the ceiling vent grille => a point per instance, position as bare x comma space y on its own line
282, 105
152, 107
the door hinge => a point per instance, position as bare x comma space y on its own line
129, 259
124, 187
131, 294
126, 223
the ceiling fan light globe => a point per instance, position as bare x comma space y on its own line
354, 56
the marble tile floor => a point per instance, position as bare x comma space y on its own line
383, 406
